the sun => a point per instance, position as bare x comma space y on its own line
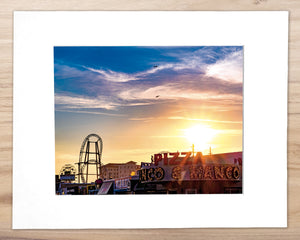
200, 136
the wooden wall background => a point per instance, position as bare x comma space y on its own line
6, 95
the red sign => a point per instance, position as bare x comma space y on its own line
184, 158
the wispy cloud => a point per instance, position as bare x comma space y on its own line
83, 102
232, 132
173, 92
91, 112
132, 104
168, 136
229, 69
141, 119
203, 120
120, 77
113, 76
207, 59
195, 62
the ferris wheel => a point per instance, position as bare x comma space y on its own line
89, 164
68, 173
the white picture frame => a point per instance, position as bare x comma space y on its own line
263, 203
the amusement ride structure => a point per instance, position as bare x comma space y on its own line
68, 173
67, 169
89, 163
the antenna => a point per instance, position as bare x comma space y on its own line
193, 150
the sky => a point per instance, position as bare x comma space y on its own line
146, 100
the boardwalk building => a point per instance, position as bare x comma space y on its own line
119, 170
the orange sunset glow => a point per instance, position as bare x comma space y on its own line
146, 100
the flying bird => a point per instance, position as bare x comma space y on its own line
157, 96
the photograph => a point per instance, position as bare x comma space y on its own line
148, 120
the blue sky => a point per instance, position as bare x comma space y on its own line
113, 91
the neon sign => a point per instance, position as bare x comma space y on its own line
152, 174
188, 166
176, 158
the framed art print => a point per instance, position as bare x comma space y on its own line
150, 119
163, 120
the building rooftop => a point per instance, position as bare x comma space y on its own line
116, 164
